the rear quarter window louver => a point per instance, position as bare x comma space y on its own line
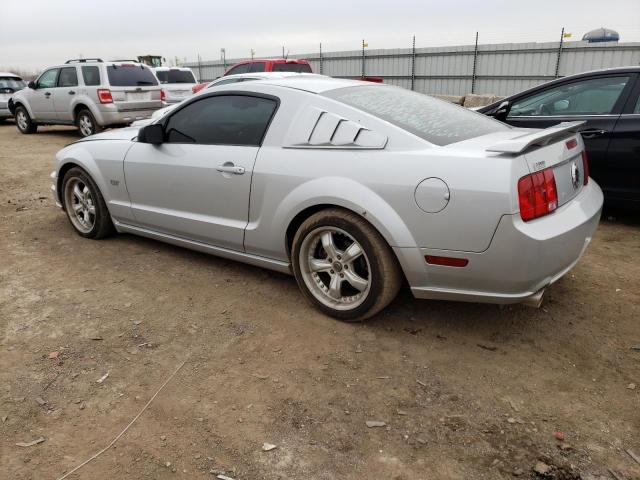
317, 128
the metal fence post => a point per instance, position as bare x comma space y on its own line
559, 54
363, 58
199, 68
475, 64
320, 58
413, 63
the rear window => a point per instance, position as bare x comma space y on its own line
175, 76
292, 67
436, 121
12, 83
130, 76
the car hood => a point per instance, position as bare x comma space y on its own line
128, 133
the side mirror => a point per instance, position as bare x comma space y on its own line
153, 134
500, 113
32, 85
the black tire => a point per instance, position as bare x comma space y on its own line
86, 123
384, 273
102, 226
23, 121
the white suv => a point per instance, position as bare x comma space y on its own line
177, 83
88, 93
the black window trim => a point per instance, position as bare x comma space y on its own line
633, 98
227, 93
47, 70
68, 86
615, 111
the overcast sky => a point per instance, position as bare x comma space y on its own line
38, 33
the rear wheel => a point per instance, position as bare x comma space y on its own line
23, 121
344, 266
85, 206
87, 123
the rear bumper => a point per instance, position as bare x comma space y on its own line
114, 116
522, 259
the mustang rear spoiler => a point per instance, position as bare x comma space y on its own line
539, 138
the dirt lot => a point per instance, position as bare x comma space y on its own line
467, 391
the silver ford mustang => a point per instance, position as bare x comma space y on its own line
353, 187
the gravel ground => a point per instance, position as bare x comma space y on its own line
465, 391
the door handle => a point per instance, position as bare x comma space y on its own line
47, 94
230, 168
71, 92
592, 133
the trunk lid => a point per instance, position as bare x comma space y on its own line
559, 147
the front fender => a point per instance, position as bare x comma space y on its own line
104, 162
266, 235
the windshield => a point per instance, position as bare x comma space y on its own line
291, 67
436, 121
175, 76
12, 83
130, 75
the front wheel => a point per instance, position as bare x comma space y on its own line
23, 121
85, 206
344, 266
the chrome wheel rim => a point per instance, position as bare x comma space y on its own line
21, 118
79, 204
335, 268
86, 125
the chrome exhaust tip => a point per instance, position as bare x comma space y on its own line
535, 300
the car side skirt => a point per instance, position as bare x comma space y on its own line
256, 260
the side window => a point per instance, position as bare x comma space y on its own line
257, 67
588, 97
48, 78
637, 109
244, 68
222, 120
68, 77
91, 76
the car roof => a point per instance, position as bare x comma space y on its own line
267, 75
9, 74
314, 83
166, 69
274, 60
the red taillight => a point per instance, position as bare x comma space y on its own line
105, 96
537, 194
163, 96
573, 143
446, 261
585, 166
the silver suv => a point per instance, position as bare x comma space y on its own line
88, 93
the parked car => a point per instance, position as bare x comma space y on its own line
88, 93
177, 83
10, 83
353, 187
609, 102
262, 66
241, 77
270, 65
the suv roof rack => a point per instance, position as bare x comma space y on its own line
125, 60
83, 60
